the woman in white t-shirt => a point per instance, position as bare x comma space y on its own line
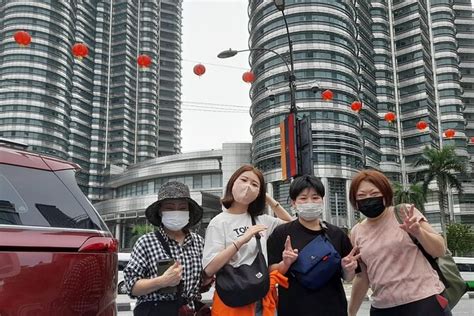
230, 235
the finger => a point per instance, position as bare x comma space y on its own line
411, 211
288, 243
403, 226
295, 251
405, 212
357, 257
353, 251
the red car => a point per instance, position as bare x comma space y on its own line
57, 256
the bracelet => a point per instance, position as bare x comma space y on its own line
235, 245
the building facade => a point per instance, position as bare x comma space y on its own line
204, 172
412, 58
101, 110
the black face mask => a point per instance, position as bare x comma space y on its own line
371, 207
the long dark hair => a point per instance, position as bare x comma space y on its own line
255, 208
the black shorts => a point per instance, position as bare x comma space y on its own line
427, 306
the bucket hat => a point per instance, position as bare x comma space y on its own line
171, 191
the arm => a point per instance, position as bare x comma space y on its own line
279, 211
223, 257
360, 286
289, 256
171, 277
416, 225
281, 267
431, 241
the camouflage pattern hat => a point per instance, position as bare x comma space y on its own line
171, 191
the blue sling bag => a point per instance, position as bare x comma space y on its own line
317, 263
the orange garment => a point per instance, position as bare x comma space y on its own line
269, 302
220, 309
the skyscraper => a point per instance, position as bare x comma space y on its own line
410, 58
101, 110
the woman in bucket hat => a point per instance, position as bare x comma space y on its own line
165, 271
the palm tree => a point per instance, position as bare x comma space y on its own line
415, 193
442, 166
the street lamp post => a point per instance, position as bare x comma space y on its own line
300, 160
290, 68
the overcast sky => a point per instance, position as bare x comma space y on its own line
208, 28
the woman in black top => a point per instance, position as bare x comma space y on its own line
306, 195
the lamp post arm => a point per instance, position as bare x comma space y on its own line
267, 50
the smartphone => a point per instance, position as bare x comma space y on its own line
163, 265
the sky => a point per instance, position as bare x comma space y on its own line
210, 27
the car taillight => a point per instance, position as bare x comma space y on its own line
99, 244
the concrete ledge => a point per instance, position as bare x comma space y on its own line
124, 307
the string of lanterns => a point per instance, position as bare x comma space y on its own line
80, 51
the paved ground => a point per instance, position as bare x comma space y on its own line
464, 308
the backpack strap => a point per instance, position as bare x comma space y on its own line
257, 236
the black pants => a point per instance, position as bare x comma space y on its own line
152, 308
427, 306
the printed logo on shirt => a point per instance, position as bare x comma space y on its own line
240, 230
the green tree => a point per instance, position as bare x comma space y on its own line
442, 166
460, 239
138, 231
413, 194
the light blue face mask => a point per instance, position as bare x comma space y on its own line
310, 211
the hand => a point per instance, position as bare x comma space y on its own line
410, 223
172, 275
250, 233
349, 262
206, 283
289, 254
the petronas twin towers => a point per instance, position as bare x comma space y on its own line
412, 58
102, 110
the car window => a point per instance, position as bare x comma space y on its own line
464, 267
122, 264
35, 197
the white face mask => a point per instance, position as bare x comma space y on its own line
310, 211
175, 220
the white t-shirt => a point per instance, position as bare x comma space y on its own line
226, 228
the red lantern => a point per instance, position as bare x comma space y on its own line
389, 117
421, 125
144, 61
80, 50
327, 95
356, 106
23, 38
449, 133
199, 69
248, 77
472, 140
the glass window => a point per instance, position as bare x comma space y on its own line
47, 199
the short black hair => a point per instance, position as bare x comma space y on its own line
304, 182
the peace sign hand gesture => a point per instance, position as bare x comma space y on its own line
410, 222
289, 254
349, 262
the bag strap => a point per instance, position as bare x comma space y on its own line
257, 236
431, 260
166, 247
